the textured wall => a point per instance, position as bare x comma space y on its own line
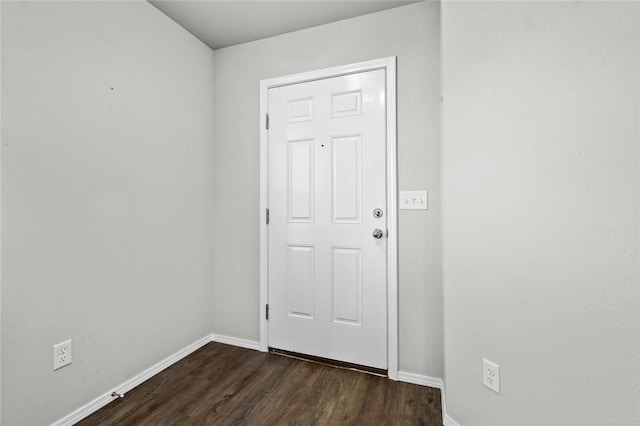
107, 153
542, 194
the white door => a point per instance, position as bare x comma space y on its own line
327, 176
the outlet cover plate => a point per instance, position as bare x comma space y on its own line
414, 200
491, 375
62, 354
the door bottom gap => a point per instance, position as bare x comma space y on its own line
331, 362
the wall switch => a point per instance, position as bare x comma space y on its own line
491, 375
414, 200
62, 354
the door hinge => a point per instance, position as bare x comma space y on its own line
267, 121
267, 216
267, 310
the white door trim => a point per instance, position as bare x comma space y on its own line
388, 64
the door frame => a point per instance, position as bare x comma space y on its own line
389, 65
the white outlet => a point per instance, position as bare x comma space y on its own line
414, 200
62, 354
491, 375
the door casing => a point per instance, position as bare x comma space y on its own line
388, 64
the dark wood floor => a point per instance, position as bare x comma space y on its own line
225, 385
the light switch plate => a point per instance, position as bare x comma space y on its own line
414, 200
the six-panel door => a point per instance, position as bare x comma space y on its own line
327, 168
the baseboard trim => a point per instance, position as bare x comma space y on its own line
419, 379
125, 387
433, 382
448, 421
235, 341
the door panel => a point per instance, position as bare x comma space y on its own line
327, 173
300, 280
346, 179
300, 186
346, 282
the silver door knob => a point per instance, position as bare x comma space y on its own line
377, 233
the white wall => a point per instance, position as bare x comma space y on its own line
107, 153
541, 234
412, 34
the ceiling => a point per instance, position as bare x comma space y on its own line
221, 23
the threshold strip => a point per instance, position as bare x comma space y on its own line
331, 362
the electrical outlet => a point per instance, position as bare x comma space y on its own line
62, 354
491, 375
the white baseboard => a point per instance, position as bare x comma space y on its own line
432, 382
419, 379
448, 421
243, 343
106, 398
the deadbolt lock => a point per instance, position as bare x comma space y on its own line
377, 213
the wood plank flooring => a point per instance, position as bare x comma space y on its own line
226, 385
